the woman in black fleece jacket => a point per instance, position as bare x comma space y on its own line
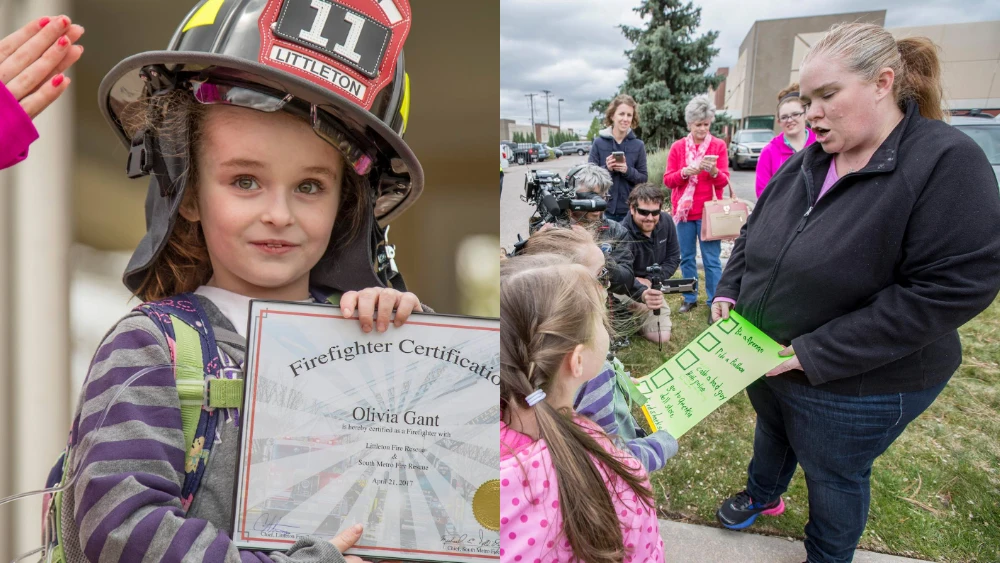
865, 254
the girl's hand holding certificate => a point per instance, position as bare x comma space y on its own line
382, 299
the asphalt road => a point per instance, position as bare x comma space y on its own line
514, 213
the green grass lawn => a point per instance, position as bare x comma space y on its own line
935, 492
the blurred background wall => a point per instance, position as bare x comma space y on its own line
69, 217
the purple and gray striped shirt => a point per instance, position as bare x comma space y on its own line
125, 505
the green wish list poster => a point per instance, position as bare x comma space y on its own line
718, 364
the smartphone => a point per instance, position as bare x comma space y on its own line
619, 156
711, 158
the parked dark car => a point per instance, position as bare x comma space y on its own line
579, 147
543, 151
985, 131
524, 153
745, 148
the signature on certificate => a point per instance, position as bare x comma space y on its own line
470, 540
270, 525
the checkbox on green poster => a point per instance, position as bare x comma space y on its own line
661, 378
708, 342
727, 325
687, 359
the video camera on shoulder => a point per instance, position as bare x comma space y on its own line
554, 199
657, 280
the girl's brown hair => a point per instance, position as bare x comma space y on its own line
867, 48
549, 306
571, 243
620, 99
184, 264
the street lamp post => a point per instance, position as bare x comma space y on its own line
559, 109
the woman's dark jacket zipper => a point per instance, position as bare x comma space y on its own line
810, 190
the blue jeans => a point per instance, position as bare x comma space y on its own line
689, 234
617, 218
835, 438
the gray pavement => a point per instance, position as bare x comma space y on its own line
514, 213
689, 543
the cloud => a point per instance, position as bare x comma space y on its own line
575, 49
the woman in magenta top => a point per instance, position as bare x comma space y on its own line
696, 165
793, 138
32, 62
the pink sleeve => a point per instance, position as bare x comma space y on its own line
765, 169
675, 162
725, 300
16, 130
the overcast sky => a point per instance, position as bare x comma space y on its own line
574, 49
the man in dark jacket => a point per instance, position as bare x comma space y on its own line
623, 116
654, 243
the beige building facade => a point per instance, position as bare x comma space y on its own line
765, 54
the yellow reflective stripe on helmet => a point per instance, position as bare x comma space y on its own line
404, 108
205, 15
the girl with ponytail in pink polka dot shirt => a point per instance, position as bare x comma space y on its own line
567, 494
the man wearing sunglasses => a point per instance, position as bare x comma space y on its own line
654, 241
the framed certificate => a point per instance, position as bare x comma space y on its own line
398, 431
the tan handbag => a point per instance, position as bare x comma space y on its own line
722, 219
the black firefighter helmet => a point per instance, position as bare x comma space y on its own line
340, 59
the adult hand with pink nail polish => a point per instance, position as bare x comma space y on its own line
34, 58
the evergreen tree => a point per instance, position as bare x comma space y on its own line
595, 125
667, 67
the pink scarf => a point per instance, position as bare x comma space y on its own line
695, 153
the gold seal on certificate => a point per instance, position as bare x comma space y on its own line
398, 431
486, 505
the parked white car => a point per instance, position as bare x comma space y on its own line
745, 148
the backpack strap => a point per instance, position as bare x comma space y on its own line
324, 297
190, 382
192, 344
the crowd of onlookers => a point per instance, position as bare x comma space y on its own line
852, 260
641, 233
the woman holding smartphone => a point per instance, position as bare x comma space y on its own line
696, 165
620, 152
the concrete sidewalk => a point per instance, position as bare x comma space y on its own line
688, 543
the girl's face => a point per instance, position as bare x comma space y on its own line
794, 115
622, 118
268, 193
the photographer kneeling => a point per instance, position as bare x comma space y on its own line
656, 255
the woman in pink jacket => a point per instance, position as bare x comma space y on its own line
696, 165
793, 138
32, 62
566, 492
